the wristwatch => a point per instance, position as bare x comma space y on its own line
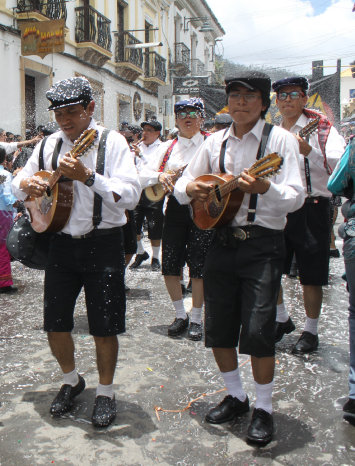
90, 181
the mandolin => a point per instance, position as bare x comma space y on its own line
50, 212
224, 200
310, 128
157, 192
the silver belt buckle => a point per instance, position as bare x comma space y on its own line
239, 234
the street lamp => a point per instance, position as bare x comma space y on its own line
206, 26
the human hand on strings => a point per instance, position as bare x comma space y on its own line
199, 190
74, 169
167, 181
34, 186
305, 148
250, 185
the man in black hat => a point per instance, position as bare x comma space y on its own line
308, 229
88, 251
243, 266
146, 152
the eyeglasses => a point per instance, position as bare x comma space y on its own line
294, 95
192, 114
247, 97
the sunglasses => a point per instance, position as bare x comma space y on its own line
192, 114
294, 95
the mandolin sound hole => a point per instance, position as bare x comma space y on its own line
214, 210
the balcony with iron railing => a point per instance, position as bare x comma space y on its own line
154, 70
93, 35
129, 60
40, 10
181, 62
198, 67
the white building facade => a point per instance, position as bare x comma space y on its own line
130, 51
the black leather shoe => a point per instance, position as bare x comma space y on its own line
178, 326
104, 411
349, 411
283, 327
307, 343
155, 265
139, 259
227, 410
9, 289
261, 427
195, 331
63, 402
334, 253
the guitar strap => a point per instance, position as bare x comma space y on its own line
307, 173
100, 167
40, 156
253, 197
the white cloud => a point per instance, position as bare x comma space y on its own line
285, 33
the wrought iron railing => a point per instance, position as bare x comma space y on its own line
92, 26
128, 55
52, 9
182, 55
197, 67
155, 66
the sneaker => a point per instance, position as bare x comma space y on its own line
349, 411
227, 410
307, 343
63, 402
155, 265
261, 427
139, 259
104, 411
195, 331
283, 327
178, 326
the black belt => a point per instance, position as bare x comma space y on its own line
93, 233
316, 199
230, 235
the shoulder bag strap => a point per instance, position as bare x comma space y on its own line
40, 156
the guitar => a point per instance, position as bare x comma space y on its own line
225, 198
157, 192
51, 211
310, 128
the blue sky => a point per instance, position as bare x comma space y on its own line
320, 5
287, 34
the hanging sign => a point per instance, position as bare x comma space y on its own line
42, 37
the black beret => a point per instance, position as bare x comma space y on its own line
251, 80
69, 91
153, 123
292, 81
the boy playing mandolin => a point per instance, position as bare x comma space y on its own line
88, 251
243, 266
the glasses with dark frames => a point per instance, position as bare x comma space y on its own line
294, 95
192, 114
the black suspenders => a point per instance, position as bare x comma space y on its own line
253, 197
100, 167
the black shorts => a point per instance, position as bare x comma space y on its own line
241, 286
153, 212
97, 264
307, 235
182, 241
130, 234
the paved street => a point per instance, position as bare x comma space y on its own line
157, 371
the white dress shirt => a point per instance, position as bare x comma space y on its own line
120, 176
334, 149
9, 147
182, 153
148, 154
285, 194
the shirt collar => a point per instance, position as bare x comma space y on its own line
257, 130
196, 140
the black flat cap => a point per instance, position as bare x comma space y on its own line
292, 81
69, 91
153, 123
251, 80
